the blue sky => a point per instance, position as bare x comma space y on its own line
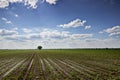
25, 24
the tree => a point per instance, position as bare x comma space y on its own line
39, 47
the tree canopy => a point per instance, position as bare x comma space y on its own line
39, 47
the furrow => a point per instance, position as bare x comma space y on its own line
67, 74
76, 69
13, 68
7, 67
81, 66
44, 69
36, 71
5, 74
28, 69
51, 67
98, 67
6, 63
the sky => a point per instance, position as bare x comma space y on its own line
53, 24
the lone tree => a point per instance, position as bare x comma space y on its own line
39, 47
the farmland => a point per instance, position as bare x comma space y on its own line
74, 64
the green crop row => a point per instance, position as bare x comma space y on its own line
66, 64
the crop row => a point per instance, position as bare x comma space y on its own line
38, 66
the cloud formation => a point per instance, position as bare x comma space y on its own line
5, 32
26, 30
4, 3
115, 30
44, 34
87, 27
52, 39
73, 24
51, 1
80, 36
6, 20
29, 3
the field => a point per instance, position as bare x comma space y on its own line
68, 64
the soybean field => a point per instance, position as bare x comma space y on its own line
60, 64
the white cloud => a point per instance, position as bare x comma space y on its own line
80, 36
16, 15
5, 32
101, 32
51, 1
33, 35
17, 44
6, 20
15, 29
87, 27
49, 38
29, 3
46, 33
61, 43
103, 43
115, 33
25, 37
115, 30
26, 30
73, 24
4, 3
13, 1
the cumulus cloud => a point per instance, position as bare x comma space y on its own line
80, 36
87, 27
13, 34
6, 20
61, 43
113, 31
30, 3
26, 30
5, 32
51, 1
102, 43
100, 32
53, 39
25, 37
46, 33
73, 24
4, 3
